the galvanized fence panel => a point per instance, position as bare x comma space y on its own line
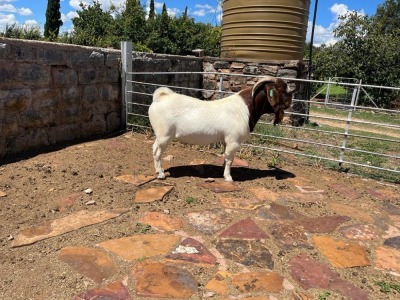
339, 133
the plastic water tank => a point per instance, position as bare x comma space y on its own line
264, 29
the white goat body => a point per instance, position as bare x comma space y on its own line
193, 121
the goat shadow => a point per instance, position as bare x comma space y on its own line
238, 173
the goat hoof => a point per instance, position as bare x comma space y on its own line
229, 179
161, 176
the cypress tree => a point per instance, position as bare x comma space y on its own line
53, 19
152, 12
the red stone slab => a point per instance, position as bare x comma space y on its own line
346, 191
209, 221
360, 232
340, 253
68, 200
310, 273
136, 180
193, 251
89, 262
159, 280
279, 212
324, 224
253, 282
161, 221
221, 186
69, 223
141, 246
152, 194
244, 229
246, 252
302, 197
113, 291
289, 235
352, 212
388, 259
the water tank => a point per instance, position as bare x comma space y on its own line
264, 29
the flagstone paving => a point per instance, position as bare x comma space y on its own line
301, 239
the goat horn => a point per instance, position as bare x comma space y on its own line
261, 82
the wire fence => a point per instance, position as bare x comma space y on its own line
350, 134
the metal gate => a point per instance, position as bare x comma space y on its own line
357, 135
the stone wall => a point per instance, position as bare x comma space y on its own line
231, 83
52, 93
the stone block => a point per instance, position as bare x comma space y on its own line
269, 70
250, 70
112, 75
23, 53
51, 57
34, 74
64, 76
85, 58
64, 133
90, 94
96, 125
28, 140
8, 73
113, 121
113, 59
45, 97
10, 125
5, 50
71, 95
16, 100
210, 84
43, 117
221, 65
289, 73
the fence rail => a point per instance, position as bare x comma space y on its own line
346, 135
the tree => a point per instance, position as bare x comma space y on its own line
133, 20
93, 26
53, 19
152, 12
387, 17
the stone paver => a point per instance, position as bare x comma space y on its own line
136, 180
155, 279
302, 237
113, 291
258, 282
89, 262
69, 223
193, 251
161, 221
141, 246
152, 194
244, 229
342, 254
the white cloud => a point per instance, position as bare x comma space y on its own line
7, 20
172, 12
25, 11
324, 35
105, 4
30, 23
69, 16
8, 8
199, 13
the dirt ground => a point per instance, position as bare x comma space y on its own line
34, 188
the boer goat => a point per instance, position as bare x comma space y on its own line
229, 120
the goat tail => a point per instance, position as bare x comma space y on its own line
161, 92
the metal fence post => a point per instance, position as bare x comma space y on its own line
354, 100
328, 88
221, 83
126, 59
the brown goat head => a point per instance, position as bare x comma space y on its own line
278, 94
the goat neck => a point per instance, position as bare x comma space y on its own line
257, 104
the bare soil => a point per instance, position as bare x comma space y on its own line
35, 186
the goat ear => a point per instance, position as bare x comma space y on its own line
272, 95
263, 81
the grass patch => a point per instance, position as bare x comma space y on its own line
324, 295
335, 91
388, 287
190, 200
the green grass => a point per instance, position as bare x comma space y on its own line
388, 287
335, 91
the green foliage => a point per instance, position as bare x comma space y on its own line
53, 19
190, 200
387, 287
367, 50
22, 32
324, 295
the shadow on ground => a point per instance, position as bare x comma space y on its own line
238, 173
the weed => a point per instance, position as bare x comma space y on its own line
387, 287
190, 200
142, 228
324, 295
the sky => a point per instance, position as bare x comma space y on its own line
32, 12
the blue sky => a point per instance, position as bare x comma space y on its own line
32, 12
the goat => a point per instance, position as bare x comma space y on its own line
229, 120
